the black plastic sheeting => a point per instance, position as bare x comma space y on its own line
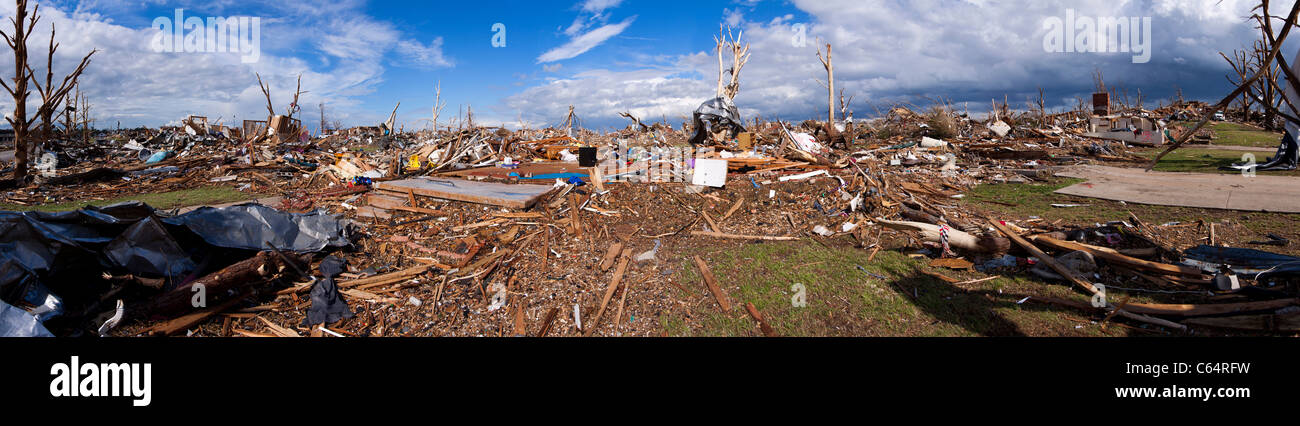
327, 305
250, 226
718, 113
15, 322
40, 251
1246, 262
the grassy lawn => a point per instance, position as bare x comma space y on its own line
1241, 135
1208, 160
842, 300
164, 200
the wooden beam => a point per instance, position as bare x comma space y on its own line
758, 317
609, 291
184, 322
1114, 256
712, 283
1044, 257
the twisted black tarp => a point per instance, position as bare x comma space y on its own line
43, 250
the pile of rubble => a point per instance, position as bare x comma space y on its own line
563, 232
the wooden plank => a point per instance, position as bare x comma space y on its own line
278, 330
421, 210
1208, 310
1288, 323
575, 220
495, 194
609, 291
758, 317
611, 255
1114, 256
384, 201
184, 322
712, 283
1044, 257
393, 277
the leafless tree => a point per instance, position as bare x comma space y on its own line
24, 144
51, 97
829, 84
1243, 64
1273, 41
730, 44
438, 104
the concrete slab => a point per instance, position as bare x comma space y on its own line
1212, 191
6, 156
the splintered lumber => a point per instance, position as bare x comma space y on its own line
758, 317
392, 277
255, 270
521, 325
1121, 312
609, 291
741, 237
548, 321
957, 239
940, 277
186, 321
713, 226
575, 220
732, 210
611, 255
1110, 255
420, 210
712, 283
278, 330
528, 215
1150, 320
1044, 257
1270, 322
1208, 309
517, 196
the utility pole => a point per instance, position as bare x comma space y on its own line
322, 119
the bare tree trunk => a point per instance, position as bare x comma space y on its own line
51, 97
23, 25
830, 84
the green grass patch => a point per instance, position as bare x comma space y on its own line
1195, 160
1241, 135
163, 200
842, 300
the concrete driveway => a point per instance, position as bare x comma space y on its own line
1204, 190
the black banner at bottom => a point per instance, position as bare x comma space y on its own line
182, 374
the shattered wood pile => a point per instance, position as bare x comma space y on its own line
489, 232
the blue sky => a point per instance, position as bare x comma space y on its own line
652, 58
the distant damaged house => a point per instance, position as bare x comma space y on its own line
1128, 129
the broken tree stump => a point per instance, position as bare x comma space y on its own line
256, 270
